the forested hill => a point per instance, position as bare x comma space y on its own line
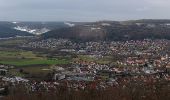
6, 31
12, 29
114, 30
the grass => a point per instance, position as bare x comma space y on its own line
30, 62
31, 70
27, 58
17, 54
27, 62
15, 72
13, 42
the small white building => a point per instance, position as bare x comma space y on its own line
59, 76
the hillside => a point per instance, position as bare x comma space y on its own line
112, 30
12, 29
6, 31
85, 31
38, 28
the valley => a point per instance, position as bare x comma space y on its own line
87, 58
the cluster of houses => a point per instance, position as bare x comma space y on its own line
49, 43
4, 69
90, 71
145, 47
144, 61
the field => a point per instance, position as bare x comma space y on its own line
27, 58
35, 64
14, 41
28, 62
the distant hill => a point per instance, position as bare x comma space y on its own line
87, 31
114, 30
38, 28
12, 29
6, 31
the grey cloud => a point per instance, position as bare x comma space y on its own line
83, 10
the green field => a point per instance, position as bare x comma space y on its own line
27, 58
13, 41
28, 62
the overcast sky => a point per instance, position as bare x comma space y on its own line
83, 10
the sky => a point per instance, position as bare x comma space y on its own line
83, 10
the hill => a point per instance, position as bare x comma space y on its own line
12, 29
7, 31
38, 28
114, 30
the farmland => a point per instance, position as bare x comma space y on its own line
34, 64
27, 58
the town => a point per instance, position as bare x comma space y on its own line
96, 65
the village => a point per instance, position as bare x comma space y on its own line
145, 61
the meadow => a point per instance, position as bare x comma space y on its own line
27, 58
